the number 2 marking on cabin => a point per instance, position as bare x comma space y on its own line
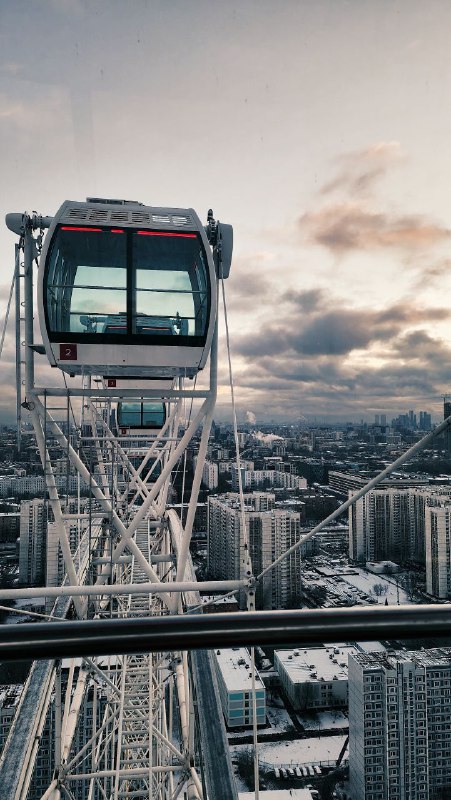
68, 352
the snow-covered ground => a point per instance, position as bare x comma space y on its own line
302, 752
280, 719
365, 581
323, 721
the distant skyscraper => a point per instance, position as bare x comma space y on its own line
399, 725
425, 421
383, 419
376, 419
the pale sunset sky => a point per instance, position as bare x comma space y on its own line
320, 129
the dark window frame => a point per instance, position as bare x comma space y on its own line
129, 338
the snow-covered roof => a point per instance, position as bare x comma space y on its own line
316, 663
235, 666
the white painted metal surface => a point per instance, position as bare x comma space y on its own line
121, 727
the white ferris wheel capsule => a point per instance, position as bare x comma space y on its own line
130, 290
135, 418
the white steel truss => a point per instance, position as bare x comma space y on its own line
120, 727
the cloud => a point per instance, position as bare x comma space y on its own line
352, 221
244, 285
307, 301
361, 169
11, 68
430, 274
414, 374
344, 227
333, 360
332, 331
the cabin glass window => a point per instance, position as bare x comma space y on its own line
86, 288
153, 415
141, 415
129, 415
110, 282
170, 295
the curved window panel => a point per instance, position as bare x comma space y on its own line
86, 287
171, 284
153, 415
129, 415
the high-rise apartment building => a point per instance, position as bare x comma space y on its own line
271, 532
378, 526
438, 550
399, 725
352, 481
33, 542
210, 475
391, 524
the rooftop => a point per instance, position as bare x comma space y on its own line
235, 666
316, 663
436, 657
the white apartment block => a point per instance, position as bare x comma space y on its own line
271, 532
235, 688
254, 479
225, 467
35, 484
315, 677
400, 725
210, 475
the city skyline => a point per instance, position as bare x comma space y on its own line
318, 130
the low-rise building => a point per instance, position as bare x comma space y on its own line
235, 688
315, 677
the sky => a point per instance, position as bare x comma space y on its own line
320, 130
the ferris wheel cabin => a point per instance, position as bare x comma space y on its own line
140, 418
127, 289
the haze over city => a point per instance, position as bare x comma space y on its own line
319, 130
